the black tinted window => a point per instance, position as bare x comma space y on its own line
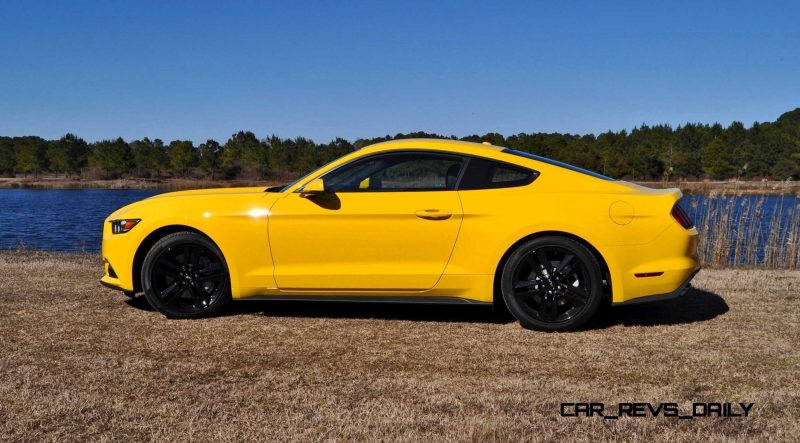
397, 172
487, 174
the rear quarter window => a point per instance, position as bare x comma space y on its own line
483, 173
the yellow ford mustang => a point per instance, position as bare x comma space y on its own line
427, 221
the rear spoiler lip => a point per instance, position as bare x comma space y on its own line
633, 188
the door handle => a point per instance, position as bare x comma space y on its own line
433, 214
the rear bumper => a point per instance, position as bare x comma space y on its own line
666, 296
657, 268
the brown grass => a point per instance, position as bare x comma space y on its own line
78, 362
747, 232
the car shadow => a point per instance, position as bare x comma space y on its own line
384, 311
139, 302
695, 306
339, 309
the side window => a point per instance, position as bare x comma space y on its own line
397, 172
482, 173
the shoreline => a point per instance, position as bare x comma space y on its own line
689, 187
173, 184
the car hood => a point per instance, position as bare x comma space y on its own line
212, 191
156, 200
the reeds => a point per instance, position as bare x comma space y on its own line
747, 230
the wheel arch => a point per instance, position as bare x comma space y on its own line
148, 242
498, 296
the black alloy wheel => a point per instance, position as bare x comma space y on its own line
552, 284
185, 276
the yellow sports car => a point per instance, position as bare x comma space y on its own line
424, 221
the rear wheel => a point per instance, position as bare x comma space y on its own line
552, 284
184, 275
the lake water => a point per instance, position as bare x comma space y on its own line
753, 230
68, 220
71, 220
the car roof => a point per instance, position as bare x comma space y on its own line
434, 143
477, 149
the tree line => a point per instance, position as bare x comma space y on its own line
660, 152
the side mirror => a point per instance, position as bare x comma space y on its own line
314, 187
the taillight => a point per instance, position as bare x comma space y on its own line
681, 216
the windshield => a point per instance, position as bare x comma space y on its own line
556, 163
281, 188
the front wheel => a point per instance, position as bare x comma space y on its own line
184, 275
552, 284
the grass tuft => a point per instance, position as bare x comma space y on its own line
745, 231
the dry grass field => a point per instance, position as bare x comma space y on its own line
79, 362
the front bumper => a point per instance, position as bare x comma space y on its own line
110, 279
118, 251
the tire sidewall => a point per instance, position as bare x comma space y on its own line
582, 253
172, 240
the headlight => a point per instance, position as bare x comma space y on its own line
123, 226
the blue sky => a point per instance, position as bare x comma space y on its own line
198, 70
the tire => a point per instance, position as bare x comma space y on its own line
552, 284
184, 275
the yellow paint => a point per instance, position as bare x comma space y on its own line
433, 243
621, 212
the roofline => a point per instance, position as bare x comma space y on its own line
440, 141
476, 148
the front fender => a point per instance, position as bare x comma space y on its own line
236, 223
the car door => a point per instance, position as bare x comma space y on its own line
387, 222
